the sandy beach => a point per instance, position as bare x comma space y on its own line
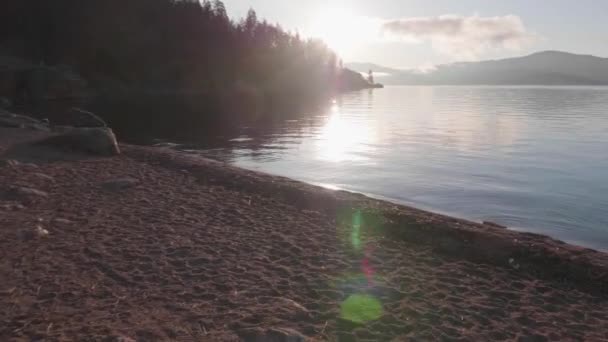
154, 245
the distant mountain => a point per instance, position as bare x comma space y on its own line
542, 68
365, 67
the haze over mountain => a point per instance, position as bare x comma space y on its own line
542, 68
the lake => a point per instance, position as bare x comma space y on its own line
531, 158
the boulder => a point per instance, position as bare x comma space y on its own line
8, 119
10, 122
4, 102
97, 141
82, 118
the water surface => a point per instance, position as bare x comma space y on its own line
531, 158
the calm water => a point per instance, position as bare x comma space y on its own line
531, 158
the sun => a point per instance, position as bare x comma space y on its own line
342, 30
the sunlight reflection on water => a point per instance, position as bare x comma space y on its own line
531, 158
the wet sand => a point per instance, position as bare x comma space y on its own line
188, 249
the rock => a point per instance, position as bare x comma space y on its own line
292, 303
38, 127
9, 122
166, 144
12, 207
4, 102
493, 224
43, 176
20, 121
22, 193
281, 335
24, 119
82, 118
36, 233
61, 128
120, 183
41, 232
271, 335
97, 141
62, 221
9, 163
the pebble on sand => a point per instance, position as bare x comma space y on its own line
62, 221
36, 233
120, 183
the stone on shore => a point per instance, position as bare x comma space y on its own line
273, 335
30, 234
18, 193
96, 141
62, 221
17, 119
9, 163
284, 335
12, 120
120, 183
4, 102
82, 118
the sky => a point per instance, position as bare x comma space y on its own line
422, 33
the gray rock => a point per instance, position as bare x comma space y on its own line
83, 118
97, 141
120, 183
9, 163
18, 193
282, 335
24, 119
38, 127
4, 102
62, 221
61, 128
12, 120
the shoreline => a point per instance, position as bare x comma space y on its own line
196, 248
429, 208
408, 222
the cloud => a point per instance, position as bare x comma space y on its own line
460, 36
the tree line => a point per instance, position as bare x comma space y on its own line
171, 45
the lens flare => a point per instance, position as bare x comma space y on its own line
361, 308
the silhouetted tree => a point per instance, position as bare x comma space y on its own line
170, 44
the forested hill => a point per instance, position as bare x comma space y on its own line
541, 68
170, 45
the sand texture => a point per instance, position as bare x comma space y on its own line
153, 245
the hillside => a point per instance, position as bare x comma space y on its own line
542, 68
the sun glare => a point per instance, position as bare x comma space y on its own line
343, 30
343, 138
